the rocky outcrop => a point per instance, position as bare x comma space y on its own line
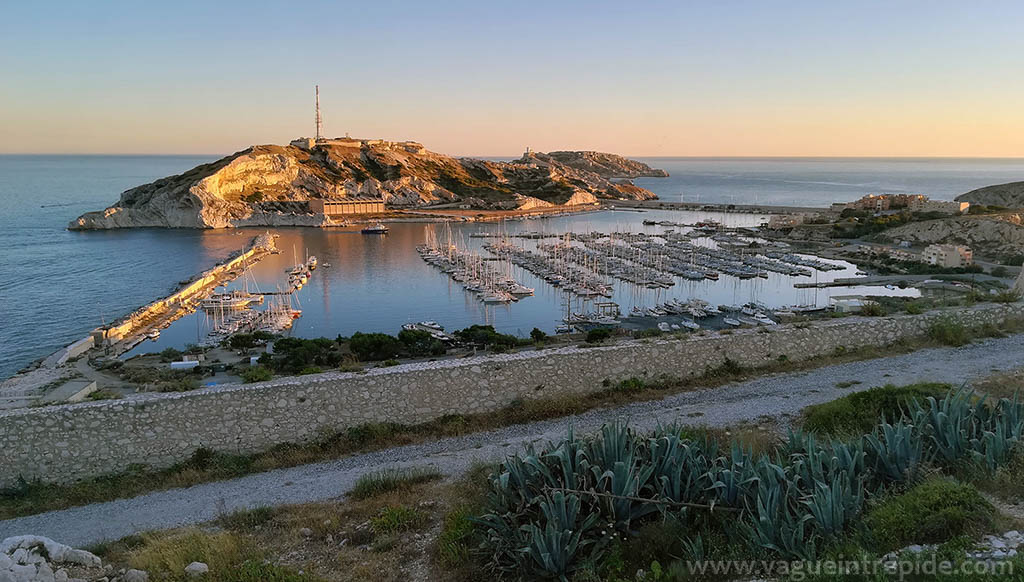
602, 164
38, 559
995, 235
1009, 195
271, 185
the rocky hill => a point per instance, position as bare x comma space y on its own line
1010, 195
602, 164
270, 184
998, 235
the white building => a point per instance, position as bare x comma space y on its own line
948, 256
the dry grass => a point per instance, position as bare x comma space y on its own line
1001, 384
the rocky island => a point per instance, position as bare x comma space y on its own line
272, 185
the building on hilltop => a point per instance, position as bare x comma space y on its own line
912, 202
949, 256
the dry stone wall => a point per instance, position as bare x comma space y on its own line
66, 443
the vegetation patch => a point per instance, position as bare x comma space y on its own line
859, 412
396, 519
392, 480
937, 510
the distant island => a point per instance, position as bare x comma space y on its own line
273, 185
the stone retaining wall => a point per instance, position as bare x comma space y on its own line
71, 442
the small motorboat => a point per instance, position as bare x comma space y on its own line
732, 321
378, 228
664, 327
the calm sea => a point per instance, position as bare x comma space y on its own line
56, 285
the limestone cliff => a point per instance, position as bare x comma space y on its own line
1010, 195
270, 185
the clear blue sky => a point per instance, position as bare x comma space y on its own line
482, 78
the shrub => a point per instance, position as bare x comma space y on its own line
374, 346
379, 482
937, 510
873, 309
948, 332
859, 412
256, 374
1000, 271
538, 336
914, 308
598, 335
170, 355
310, 370
1007, 296
292, 355
484, 335
419, 343
650, 332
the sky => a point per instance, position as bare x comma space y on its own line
725, 78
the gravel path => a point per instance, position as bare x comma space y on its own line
779, 396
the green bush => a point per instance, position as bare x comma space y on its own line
949, 332
1007, 296
419, 343
292, 355
859, 412
873, 309
256, 374
538, 336
650, 332
598, 335
170, 355
935, 511
374, 346
486, 336
1000, 271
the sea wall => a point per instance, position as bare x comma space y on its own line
66, 443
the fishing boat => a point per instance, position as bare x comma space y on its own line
378, 228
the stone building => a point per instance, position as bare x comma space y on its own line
332, 207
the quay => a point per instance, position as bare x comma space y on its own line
118, 338
718, 207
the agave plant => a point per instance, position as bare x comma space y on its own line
834, 504
553, 547
777, 527
894, 452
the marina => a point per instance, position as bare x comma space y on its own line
594, 270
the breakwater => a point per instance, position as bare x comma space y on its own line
127, 333
76, 441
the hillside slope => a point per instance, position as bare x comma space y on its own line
270, 184
1009, 195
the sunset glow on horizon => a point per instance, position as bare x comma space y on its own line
465, 78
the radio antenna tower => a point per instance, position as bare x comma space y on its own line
319, 124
